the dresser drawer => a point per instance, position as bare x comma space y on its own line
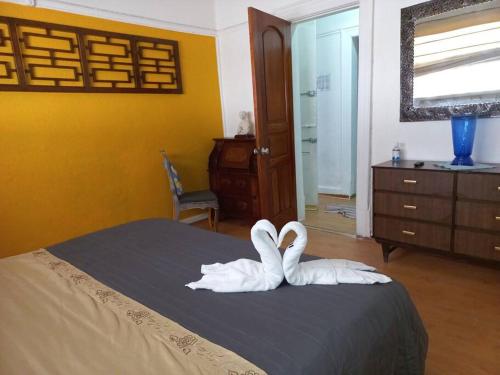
478, 215
479, 186
414, 181
414, 233
413, 207
481, 245
234, 184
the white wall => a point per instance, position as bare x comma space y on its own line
429, 140
235, 75
234, 12
234, 47
335, 108
196, 16
354, 109
233, 44
330, 132
305, 120
306, 45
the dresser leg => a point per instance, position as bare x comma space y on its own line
386, 250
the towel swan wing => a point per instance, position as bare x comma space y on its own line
321, 271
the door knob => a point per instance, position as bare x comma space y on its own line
262, 151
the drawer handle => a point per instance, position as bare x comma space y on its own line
408, 233
409, 207
412, 182
497, 248
498, 188
497, 218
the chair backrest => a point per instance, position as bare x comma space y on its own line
175, 189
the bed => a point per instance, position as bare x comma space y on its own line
114, 301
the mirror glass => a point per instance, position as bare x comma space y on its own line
456, 57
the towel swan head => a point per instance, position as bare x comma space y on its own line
265, 238
264, 226
300, 231
293, 251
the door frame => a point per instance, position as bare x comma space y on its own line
307, 11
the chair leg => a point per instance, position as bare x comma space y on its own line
216, 218
176, 212
210, 221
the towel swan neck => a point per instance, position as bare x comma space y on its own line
262, 227
293, 251
264, 238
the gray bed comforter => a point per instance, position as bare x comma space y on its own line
342, 329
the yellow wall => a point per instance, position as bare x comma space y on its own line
72, 163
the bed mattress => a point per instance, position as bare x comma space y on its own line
315, 329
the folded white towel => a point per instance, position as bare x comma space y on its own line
322, 271
245, 275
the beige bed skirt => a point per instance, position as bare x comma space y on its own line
56, 319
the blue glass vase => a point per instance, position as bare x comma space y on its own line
463, 129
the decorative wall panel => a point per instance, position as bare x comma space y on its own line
157, 63
38, 56
8, 70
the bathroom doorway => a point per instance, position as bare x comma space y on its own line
325, 83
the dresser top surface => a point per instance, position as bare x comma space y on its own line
430, 166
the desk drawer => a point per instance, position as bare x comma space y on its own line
414, 233
235, 206
479, 186
414, 181
481, 245
234, 184
414, 207
478, 215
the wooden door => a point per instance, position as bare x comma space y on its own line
270, 46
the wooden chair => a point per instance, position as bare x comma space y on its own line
204, 199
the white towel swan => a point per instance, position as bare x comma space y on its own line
322, 271
245, 275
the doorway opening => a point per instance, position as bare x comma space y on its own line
325, 87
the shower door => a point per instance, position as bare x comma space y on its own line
309, 149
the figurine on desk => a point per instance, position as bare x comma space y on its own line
245, 128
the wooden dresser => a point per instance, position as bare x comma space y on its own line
455, 212
233, 177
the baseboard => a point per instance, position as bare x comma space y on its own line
340, 196
331, 190
194, 218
